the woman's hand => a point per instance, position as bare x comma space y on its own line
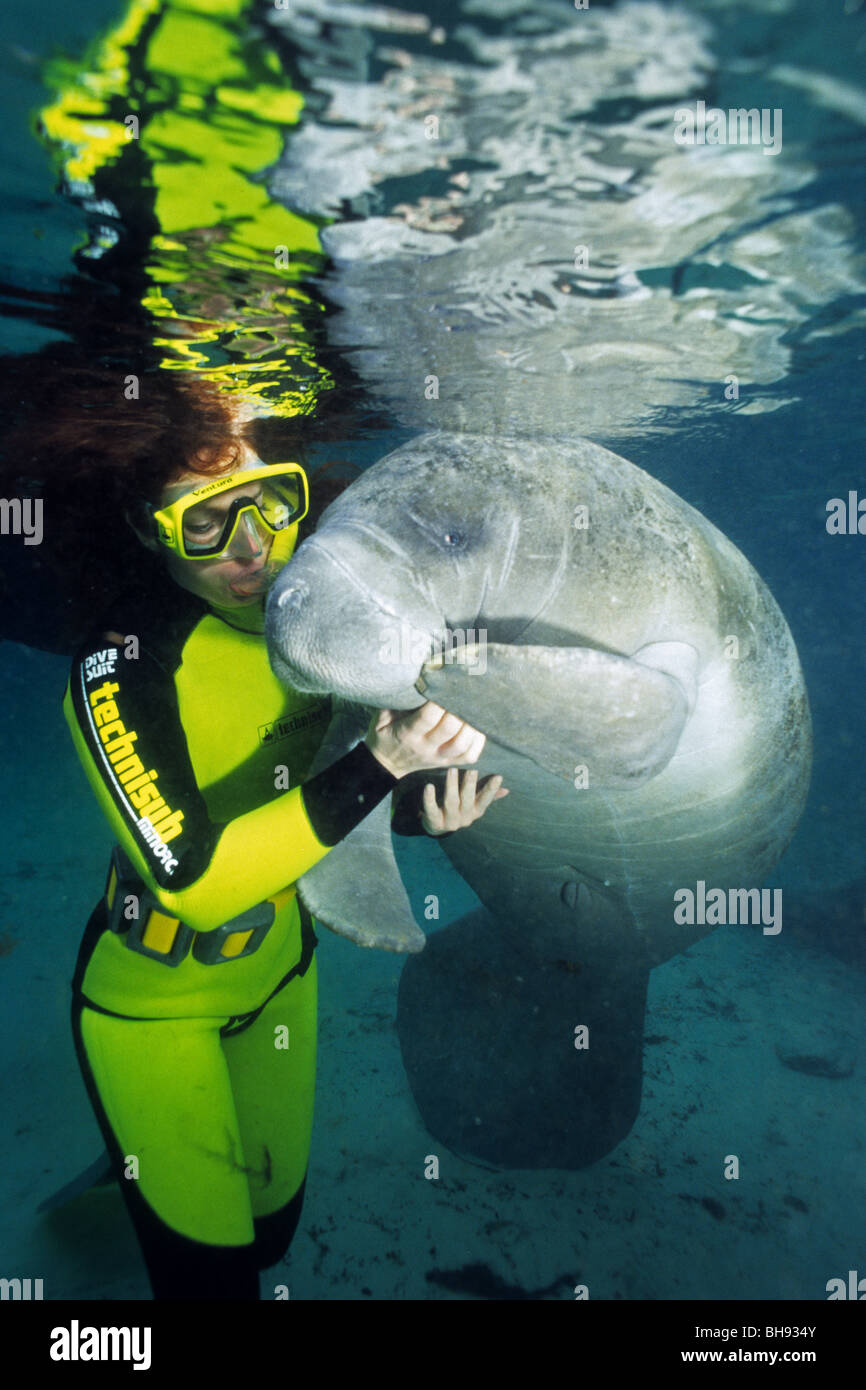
461, 805
406, 741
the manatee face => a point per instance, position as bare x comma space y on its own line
411, 553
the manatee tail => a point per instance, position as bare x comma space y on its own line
99, 1174
489, 1036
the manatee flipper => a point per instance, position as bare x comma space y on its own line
619, 716
347, 727
487, 1021
356, 890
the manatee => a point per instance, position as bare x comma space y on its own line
641, 696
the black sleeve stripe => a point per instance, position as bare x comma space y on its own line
127, 713
406, 819
339, 798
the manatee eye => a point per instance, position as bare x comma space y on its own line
453, 539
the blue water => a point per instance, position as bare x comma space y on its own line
637, 1225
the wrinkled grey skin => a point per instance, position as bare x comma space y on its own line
630, 648
642, 697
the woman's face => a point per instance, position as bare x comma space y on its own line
241, 577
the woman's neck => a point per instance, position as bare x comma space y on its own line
246, 618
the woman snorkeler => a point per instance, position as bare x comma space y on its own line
194, 995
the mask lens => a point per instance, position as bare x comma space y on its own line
203, 527
281, 501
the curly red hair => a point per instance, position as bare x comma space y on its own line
94, 455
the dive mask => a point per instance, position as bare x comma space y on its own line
202, 524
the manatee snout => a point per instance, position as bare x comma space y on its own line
287, 613
336, 625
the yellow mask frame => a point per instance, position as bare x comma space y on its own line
194, 528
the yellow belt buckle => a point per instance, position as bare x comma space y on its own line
237, 942
234, 944
159, 936
160, 932
238, 937
151, 932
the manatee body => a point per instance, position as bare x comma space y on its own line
641, 695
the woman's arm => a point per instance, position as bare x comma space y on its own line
127, 730
128, 734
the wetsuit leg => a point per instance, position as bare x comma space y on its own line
161, 1091
272, 1065
275, 1233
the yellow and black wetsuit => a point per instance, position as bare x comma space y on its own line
197, 1039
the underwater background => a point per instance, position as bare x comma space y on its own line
555, 129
